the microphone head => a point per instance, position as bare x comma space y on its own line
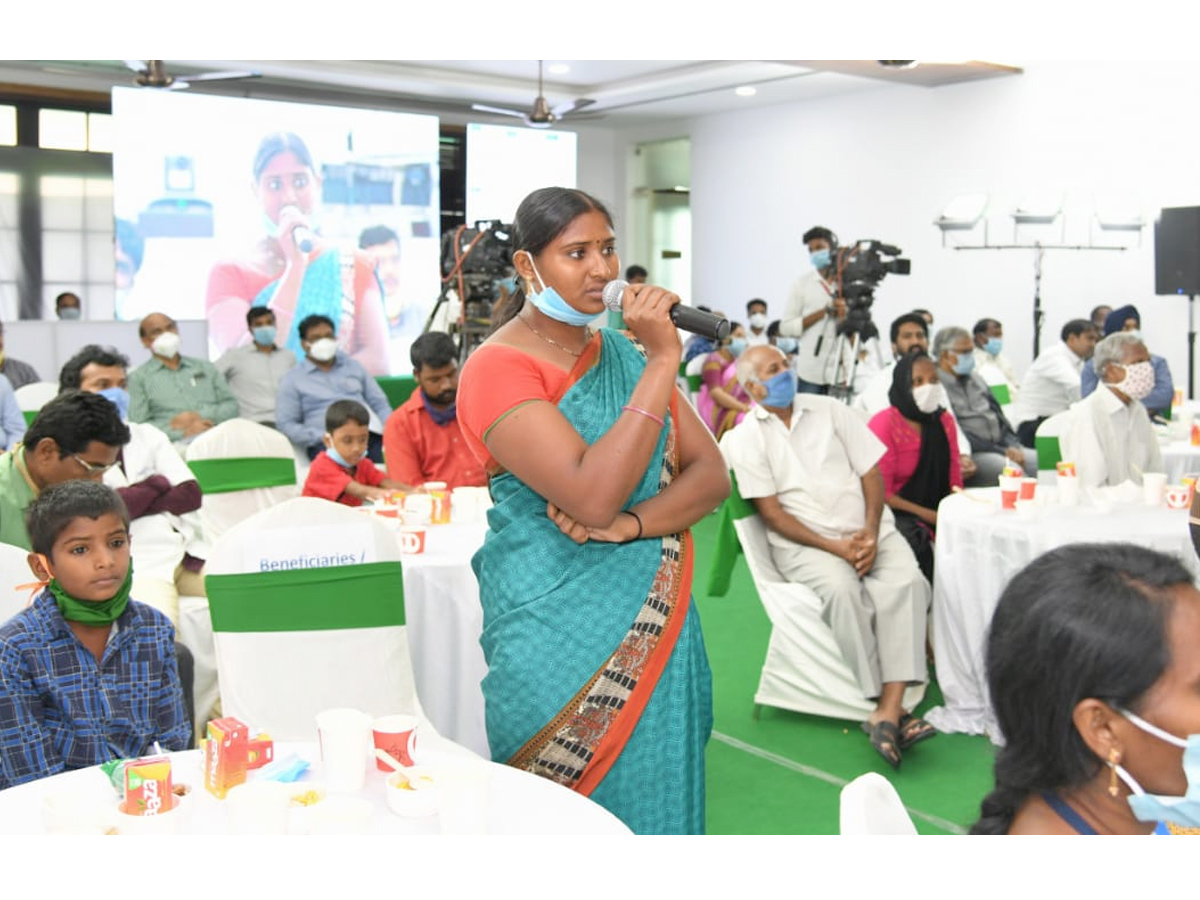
613, 292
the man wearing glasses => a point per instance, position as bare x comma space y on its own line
75, 435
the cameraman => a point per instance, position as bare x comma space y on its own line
813, 311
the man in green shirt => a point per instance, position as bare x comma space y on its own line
180, 395
75, 435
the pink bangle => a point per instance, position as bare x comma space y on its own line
646, 413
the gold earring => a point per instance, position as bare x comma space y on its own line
1113, 759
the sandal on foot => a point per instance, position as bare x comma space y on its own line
913, 730
885, 738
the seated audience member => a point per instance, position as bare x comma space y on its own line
789, 345
809, 465
910, 336
1159, 400
253, 371
994, 444
1098, 317
324, 375
159, 491
12, 420
1092, 657
182, 396
342, 473
68, 307
926, 315
1110, 438
75, 435
421, 439
1052, 382
722, 402
636, 274
756, 315
920, 465
87, 674
988, 335
18, 373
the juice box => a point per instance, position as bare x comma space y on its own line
148, 786
226, 755
260, 750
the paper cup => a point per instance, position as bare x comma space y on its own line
344, 736
1068, 490
1028, 488
1010, 489
413, 792
398, 736
1154, 484
418, 509
169, 820
463, 796
1179, 497
259, 807
412, 539
439, 511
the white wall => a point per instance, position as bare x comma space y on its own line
882, 164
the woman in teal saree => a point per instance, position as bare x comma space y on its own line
597, 676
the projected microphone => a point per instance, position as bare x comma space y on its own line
697, 321
302, 235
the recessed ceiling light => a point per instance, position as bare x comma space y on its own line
559, 69
746, 91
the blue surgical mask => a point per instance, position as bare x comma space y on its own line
781, 389
786, 344
736, 346
119, 397
992, 347
337, 457
965, 364
819, 258
264, 335
1183, 810
550, 303
69, 312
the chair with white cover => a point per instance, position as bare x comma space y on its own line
870, 805
804, 669
1047, 441
307, 608
14, 570
33, 396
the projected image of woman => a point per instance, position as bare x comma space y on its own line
295, 271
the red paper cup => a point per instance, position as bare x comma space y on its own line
397, 735
412, 539
1028, 487
1008, 499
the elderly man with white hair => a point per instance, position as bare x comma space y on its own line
1110, 438
809, 465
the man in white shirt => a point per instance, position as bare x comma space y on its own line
253, 371
757, 322
158, 488
813, 312
1110, 438
809, 466
991, 364
909, 334
1052, 382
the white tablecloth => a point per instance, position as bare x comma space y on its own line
1179, 458
445, 620
518, 802
980, 547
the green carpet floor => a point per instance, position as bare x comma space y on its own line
782, 773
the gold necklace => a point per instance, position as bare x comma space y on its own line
575, 353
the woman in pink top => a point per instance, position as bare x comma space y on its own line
920, 467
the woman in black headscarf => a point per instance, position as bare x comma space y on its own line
919, 467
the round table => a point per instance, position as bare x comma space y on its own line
517, 802
980, 547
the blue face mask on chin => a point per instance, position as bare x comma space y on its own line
781, 389
119, 397
550, 303
338, 458
1183, 810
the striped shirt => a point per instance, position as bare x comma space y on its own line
60, 709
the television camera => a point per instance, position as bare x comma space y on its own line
475, 261
859, 269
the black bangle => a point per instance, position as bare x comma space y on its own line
636, 518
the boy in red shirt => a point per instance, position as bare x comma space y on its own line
342, 472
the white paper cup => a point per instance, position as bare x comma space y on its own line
463, 795
259, 807
1153, 486
1068, 490
418, 509
345, 739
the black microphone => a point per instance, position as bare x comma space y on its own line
302, 235
697, 321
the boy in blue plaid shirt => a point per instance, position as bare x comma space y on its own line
86, 673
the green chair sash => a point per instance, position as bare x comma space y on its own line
397, 388
219, 476
1049, 453
1001, 393
728, 546
30, 415
368, 595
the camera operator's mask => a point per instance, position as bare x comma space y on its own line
820, 258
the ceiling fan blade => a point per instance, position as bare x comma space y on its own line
497, 110
219, 76
571, 106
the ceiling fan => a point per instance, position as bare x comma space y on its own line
542, 115
152, 73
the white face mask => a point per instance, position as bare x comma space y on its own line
323, 349
166, 345
758, 320
928, 397
1138, 381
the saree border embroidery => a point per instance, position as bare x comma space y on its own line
579, 745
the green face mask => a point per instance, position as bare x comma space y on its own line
89, 612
